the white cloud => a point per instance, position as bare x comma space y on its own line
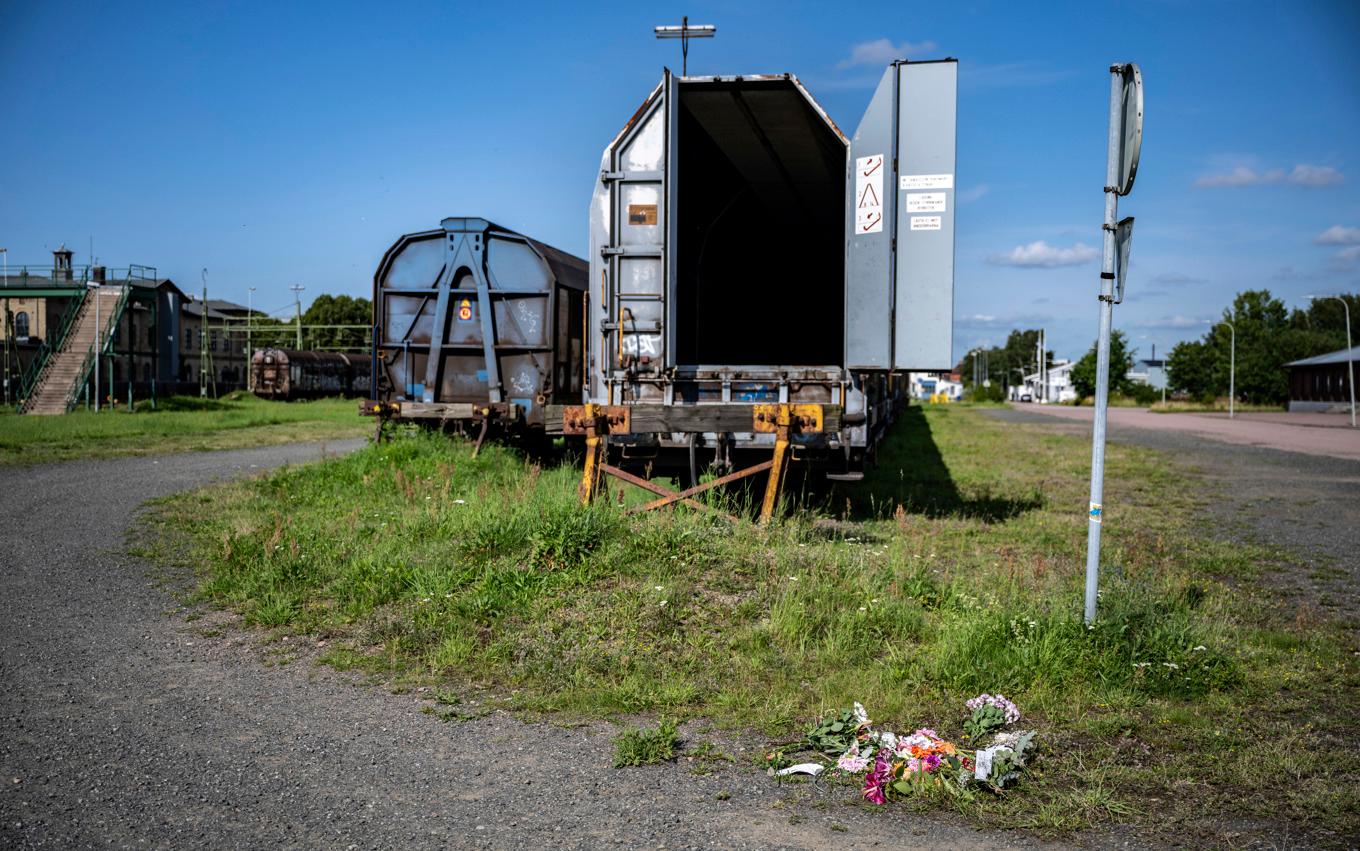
1347, 256
1301, 175
1338, 235
882, 51
1015, 320
1172, 323
972, 193
1041, 255
1177, 278
1316, 175
1240, 176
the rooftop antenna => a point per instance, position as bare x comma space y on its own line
685, 32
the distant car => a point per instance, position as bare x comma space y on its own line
1026, 397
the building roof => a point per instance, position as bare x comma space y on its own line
217, 308
1338, 356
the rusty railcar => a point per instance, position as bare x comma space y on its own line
760, 282
296, 374
476, 325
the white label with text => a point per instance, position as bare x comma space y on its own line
927, 181
925, 202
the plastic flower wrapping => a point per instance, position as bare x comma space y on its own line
896, 765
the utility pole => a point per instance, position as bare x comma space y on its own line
250, 349
685, 32
203, 339
297, 298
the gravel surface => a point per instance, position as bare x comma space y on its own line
1307, 503
126, 727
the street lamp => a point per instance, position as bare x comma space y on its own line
1350, 361
250, 349
1232, 365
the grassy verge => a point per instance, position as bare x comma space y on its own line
180, 424
1198, 701
1220, 406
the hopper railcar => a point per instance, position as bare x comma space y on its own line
296, 374
476, 325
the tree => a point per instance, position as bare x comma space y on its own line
338, 310
1005, 363
1121, 361
1268, 337
1190, 368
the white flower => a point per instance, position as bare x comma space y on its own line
659, 587
860, 714
887, 740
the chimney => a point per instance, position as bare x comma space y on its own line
97, 274
61, 264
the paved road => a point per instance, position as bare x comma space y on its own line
125, 728
1307, 501
1310, 433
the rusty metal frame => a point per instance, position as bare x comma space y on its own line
597, 422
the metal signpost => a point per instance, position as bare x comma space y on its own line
1121, 166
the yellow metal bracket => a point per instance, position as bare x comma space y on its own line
802, 418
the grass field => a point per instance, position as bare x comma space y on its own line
179, 424
1200, 699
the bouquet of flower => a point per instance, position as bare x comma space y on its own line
895, 765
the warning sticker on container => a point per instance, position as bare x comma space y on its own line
925, 222
927, 181
641, 214
925, 202
465, 311
869, 194
1096, 514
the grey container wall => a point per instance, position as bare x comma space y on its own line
477, 313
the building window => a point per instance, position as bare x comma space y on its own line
21, 324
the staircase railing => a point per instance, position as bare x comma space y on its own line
51, 344
91, 361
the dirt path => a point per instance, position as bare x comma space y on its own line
125, 727
1306, 501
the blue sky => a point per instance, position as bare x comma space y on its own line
281, 143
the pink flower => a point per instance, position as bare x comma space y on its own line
852, 762
913, 765
932, 762
876, 781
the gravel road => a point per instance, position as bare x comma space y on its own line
1308, 503
125, 727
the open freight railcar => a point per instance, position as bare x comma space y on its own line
474, 325
759, 282
296, 374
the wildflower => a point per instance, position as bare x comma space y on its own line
876, 781
659, 588
1008, 709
